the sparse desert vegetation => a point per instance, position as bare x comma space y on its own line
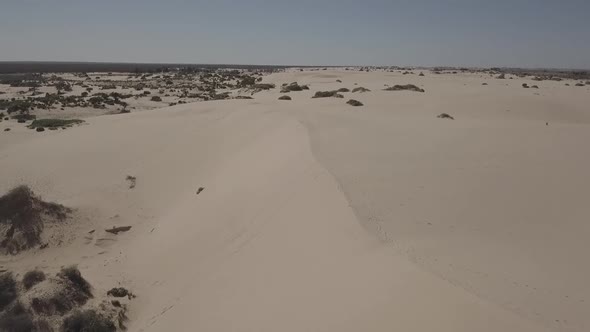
22, 218
294, 86
360, 89
58, 303
54, 123
445, 116
353, 102
284, 98
326, 94
405, 87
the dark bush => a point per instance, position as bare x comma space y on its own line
353, 102
54, 123
409, 87
284, 98
21, 218
8, 291
17, 319
445, 116
360, 89
24, 117
264, 86
72, 274
156, 98
87, 321
325, 94
32, 278
343, 90
39, 129
293, 87
524, 85
118, 292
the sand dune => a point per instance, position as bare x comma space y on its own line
319, 216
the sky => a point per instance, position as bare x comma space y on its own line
476, 33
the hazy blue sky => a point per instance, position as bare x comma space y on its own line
531, 33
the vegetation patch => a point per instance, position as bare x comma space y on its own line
326, 94
445, 116
353, 102
32, 278
88, 320
8, 292
22, 217
360, 89
408, 87
54, 123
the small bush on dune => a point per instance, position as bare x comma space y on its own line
353, 102
24, 117
409, 87
264, 86
293, 87
8, 291
32, 278
17, 319
22, 215
445, 116
326, 94
343, 90
87, 321
360, 89
72, 274
54, 123
284, 98
156, 98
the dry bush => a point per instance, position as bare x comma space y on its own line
22, 215
445, 116
17, 319
80, 284
8, 292
353, 102
326, 94
409, 87
88, 320
360, 89
32, 278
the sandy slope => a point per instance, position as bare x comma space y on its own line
318, 216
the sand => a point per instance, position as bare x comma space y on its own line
320, 216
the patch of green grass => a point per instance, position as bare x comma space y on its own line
54, 123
